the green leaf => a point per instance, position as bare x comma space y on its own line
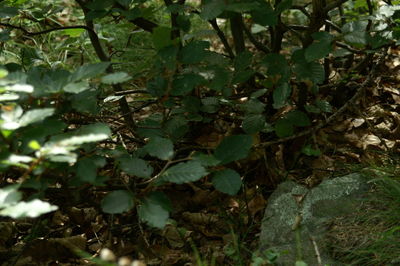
194, 52
176, 127
185, 172
161, 37
31, 209
242, 7
258, 93
185, 83
156, 87
305, 70
89, 71
317, 50
100, 4
153, 211
135, 166
90, 133
354, 32
227, 181
85, 101
205, 159
73, 32
324, 106
242, 76
9, 195
233, 148
243, 61
309, 151
161, 148
253, 106
298, 118
281, 94
114, 78
37, 115
86, 170
76, 87
95, 14
210, 105
220, 78
253, 123
9, 118
212, 9
168, 56
265, 15
284, 128
320, 48
117, 201
8, 12
277, 65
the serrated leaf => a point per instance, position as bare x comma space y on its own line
114, 78
233, 148
161, 148
253, 123
76, 87
117, 201
281, 94
227, 181
33, 116
206, 159
310, 71
31, 209
284, 128
136, 167
153, 212
89, 71
355, 32
317, 50
90, 133
212, 9
185, 172
253, 106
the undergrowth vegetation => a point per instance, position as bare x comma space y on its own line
132, 106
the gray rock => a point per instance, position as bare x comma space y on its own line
296, 218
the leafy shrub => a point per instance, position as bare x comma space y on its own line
264, 73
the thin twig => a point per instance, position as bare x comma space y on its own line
256, 43
222, 37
